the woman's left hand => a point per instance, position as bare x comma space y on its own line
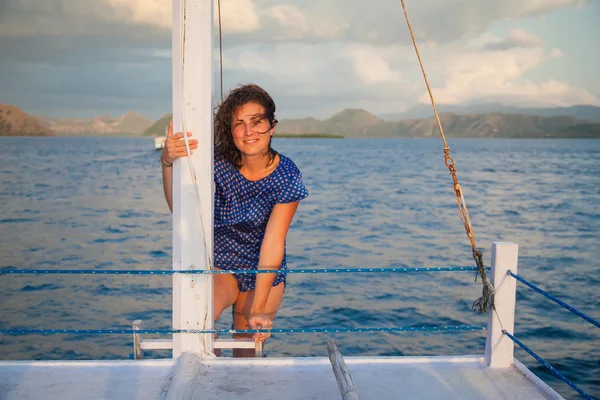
260, 321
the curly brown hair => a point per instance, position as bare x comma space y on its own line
225, 148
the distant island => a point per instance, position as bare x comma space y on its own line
349, 123
357, 123
308, 135
130, 124
15, 122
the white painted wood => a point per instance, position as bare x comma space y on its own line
297, 378
341, 372
499, 349
192, 109
241, 343
180, 384
233, 343
138, 354
258, 349
535, 380
157, 344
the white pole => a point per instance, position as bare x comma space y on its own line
192, 109
499, 349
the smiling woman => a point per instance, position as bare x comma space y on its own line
245, 121
257, 192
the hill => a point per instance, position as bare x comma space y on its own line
490, 125
131, 123
16, 122
360, 123
159, 127
584, 131
582, 112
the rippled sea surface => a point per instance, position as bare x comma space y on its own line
97, 203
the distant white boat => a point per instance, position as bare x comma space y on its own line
159, 143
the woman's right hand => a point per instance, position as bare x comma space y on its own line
175, 146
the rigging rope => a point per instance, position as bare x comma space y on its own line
457, 328
228, 272
220, 49
486, 301
554, 299
553, 370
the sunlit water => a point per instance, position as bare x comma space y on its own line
97, 203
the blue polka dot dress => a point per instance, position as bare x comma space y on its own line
242, 210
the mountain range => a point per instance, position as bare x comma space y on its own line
583, 112
360, 123
131, 123
357, 123
351, 123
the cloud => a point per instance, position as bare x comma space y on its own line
500, 75
556, 53
321, 79
315, 56
143, 12
289, 17
517, 38
238, 16
3, 6
373, 22
371, 66
388, 78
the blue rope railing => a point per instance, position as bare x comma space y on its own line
548, 366
23, 331
554, 299
229, 272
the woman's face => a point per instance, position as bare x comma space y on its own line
251, 129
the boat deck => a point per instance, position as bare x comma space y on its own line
270, 378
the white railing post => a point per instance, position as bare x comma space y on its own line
192, 109
499, 349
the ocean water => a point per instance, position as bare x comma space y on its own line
97, 203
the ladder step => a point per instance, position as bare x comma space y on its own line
156, 344
166, 344
140, 344
241, 343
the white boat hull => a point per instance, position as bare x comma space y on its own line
380, 378
159, 143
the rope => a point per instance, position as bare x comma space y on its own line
23, 331
486, 301
220, 49
548, 366
554, 299
227, 272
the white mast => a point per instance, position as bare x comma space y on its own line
193, 202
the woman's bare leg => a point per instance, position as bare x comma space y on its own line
242, 313
226, 293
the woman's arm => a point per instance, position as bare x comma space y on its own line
167, 180
174, 148
271, 252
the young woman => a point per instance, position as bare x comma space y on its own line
257, 193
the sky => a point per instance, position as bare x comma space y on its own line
82, 58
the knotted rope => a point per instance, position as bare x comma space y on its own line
486, 301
